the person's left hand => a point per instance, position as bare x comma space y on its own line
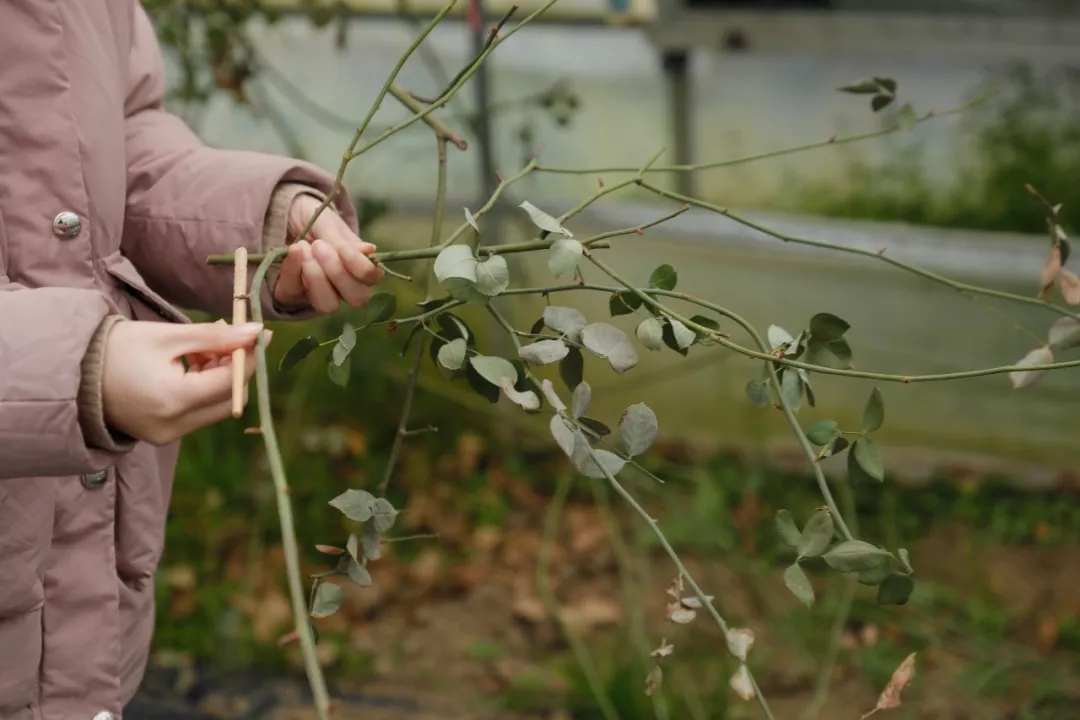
329, 266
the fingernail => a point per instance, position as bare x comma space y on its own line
267, 335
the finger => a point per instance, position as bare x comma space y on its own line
213, 385
352, 250
209, 338
320, 292
348, 287
204, 416
289, 288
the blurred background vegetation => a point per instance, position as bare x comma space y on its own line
461, 626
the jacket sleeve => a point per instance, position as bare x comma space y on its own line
44, 336
186, 200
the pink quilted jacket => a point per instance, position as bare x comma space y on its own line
108, 205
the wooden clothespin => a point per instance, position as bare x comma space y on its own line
239, 318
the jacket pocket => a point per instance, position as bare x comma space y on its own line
148, 304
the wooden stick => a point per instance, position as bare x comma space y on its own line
239, 317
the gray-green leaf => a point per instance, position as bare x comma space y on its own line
543, 352
785, 525
799, 584
565, 321
327, 600
868, 458
494, 369
383, 515
1065, 334
817, 535
357, 505
874, 412
543, 220
593, 464
650, 333
563, 434
492, 276
664, 278
452, 354
638, 428
684, 336
471, 219
579, 403
359, 574
1038, 356
904, 559
791, 390
611, 343
827, 327
552, 397
339, 374
895, 590
372, 547
300, 350
564, 256
527, 399
352, 546
778, 336
758, 392
853, 556
456, 261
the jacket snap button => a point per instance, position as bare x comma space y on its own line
94, 481
104, 715
67, 225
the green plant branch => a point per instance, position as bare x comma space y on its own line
284, 505
878, 255
730, 162
438, 126
832, 652
547, 595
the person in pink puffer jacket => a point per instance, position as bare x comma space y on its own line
109, 206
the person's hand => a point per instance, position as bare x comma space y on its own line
146, 392
329, 266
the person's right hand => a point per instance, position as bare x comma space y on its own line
146, 392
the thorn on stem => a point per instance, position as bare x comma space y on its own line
880, 252
391, 326
253, 431
832, 139
499, 177
639, 230
600, 181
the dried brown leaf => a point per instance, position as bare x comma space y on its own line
681, 615
1069, 284
742, 684
665, 650
1051, 268
1038, 356
739, 642
652, 682
901, 677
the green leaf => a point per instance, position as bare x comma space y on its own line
869, 459
492, 276
887, 84
347, 339
464, 290
853, 556
357, 505
880, 102
789, 532
594, 427
564, 256
471, 219
455, 261
799, 584
663, 278
544, 352
300, 350
565, 321
906, 118
816, 536
827, 327
359, 574
341, 353
876, 574
594, 464
564, 435
869, 86
837, 446
821, 432
327, 600
380, 307
494, 369
480, 386
543, 220
758, 392
904, 559
352, 546
623, 303
667, 334
383, 515
610, 343
339, 374
874, 412
638, 428
706, 322
572, 368
683, 336
835, 354
895, 590
372, 546
650, 333
452, 354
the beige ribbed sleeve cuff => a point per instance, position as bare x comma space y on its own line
90, 401
276, 232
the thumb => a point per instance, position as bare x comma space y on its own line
213, 337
